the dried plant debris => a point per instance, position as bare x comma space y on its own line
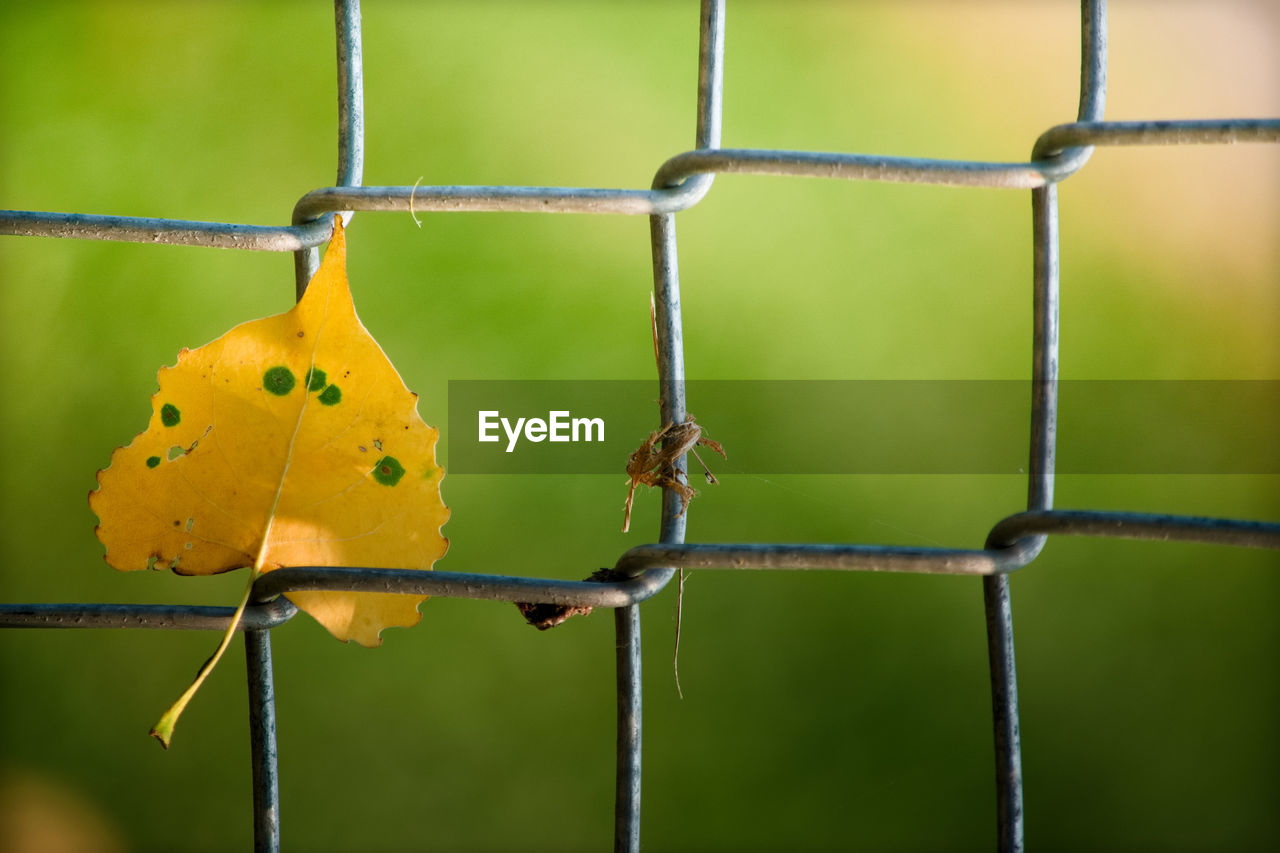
544, 615
653, 462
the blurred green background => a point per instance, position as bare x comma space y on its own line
821, 711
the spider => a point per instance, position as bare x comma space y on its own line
651, 465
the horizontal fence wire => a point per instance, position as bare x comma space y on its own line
679, 183
673, 192
1012, 544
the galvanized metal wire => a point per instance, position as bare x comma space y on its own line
679, 183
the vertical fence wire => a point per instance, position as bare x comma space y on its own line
1044, 420
262, 708
678, 184
672, 410
350, 62
262, 741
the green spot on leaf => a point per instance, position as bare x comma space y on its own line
153, 461
279, 380
169, 415
315, 379
331, 396
388, 471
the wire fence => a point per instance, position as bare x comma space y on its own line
679, 184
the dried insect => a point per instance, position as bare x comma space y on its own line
653, 465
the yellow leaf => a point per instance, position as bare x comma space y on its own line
288, 441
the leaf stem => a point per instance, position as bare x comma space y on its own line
675, 654
163, 730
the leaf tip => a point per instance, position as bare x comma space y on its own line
338, 239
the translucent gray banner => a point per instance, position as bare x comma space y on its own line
870, 427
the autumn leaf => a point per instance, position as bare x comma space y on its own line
288, 441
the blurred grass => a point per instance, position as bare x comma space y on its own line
821, 711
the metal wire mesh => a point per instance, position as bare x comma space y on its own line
680, 183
